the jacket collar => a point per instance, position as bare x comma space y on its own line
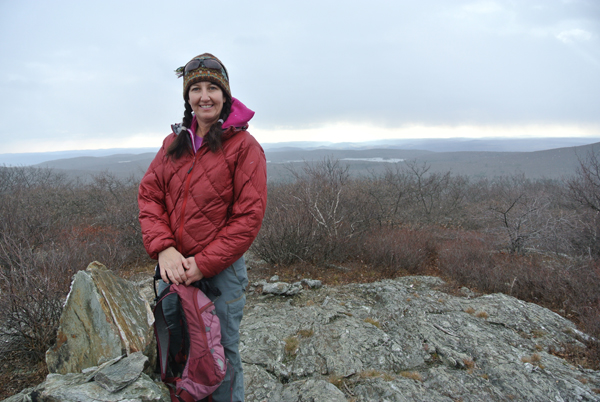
238, 120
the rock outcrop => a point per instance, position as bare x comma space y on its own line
104, 317
395, 340
118, 380
406, 340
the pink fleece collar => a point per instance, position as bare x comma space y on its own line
239, 117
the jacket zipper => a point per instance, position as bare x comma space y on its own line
185, 198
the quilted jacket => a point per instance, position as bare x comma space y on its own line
207, 204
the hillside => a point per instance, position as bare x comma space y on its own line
549, 164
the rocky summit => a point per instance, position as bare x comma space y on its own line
408, 340
405, 339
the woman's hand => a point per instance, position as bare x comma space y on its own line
193, 272
173, 266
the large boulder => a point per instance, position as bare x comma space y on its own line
104, 317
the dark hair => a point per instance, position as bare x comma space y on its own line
183, 143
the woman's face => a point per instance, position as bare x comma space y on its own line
206, 100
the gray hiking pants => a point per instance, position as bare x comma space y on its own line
232, 283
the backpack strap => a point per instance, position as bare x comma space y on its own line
156, 278
207, 287
163, 336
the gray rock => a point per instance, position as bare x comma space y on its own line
92, 371
312, 283
282, 289
274, 278
119, 375
311, 390
278, 288
260, 385
467, 292
104, 317
146, 288
74, 388
406, 340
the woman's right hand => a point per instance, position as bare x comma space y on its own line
172, 266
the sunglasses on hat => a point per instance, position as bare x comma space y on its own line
205, 63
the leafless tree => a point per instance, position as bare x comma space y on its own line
518, 210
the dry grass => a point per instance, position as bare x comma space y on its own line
376, 374
469, 363
533, 359
482, 314
372, 322
291, 345
413, 375
306, 333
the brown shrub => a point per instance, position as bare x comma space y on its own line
313, 219
399, 250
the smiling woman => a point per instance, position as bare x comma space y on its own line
202, 202
206, 100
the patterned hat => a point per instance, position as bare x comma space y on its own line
204, 72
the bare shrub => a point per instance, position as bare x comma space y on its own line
287, 232
584, 190
398, 250
409, 194
436, 196
585, 186
32, 290
518, 210
33, 204
310, 219
112, 202
387, 196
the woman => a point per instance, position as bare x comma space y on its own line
203, 199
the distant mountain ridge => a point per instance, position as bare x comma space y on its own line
433, 145
443, 144
34, 158
368, 160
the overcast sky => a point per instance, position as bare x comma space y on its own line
99, 74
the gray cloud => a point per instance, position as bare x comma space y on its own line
73, 70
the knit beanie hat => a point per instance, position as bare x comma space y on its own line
204, 67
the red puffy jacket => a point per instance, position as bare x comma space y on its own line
209, 205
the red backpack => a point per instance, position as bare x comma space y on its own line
199, 367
